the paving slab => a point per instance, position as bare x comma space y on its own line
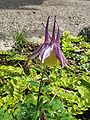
28, 16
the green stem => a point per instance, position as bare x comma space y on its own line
41, 83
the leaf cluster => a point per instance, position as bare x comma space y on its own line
65, 92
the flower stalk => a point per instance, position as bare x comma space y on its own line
41, 83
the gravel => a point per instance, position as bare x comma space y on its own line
28, 16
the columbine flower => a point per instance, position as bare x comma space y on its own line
49, 52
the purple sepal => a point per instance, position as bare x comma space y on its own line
53, 33
46, 51
46, 32
58, 54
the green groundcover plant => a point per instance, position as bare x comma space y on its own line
63, 93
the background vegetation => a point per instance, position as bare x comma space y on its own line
65, 93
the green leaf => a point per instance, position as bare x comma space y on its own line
34, 83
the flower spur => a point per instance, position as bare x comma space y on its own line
49, 52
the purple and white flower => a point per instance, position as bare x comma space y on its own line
49, 52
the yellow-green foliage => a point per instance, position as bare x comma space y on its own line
68, 90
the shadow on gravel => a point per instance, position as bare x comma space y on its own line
18, 4
85, 32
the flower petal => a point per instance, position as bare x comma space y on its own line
64, 59
58, 34
31, 56
34, 54
45, 52
51, 61
46, 32
53, 33
58, 54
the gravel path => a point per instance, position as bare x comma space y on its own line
28, 15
